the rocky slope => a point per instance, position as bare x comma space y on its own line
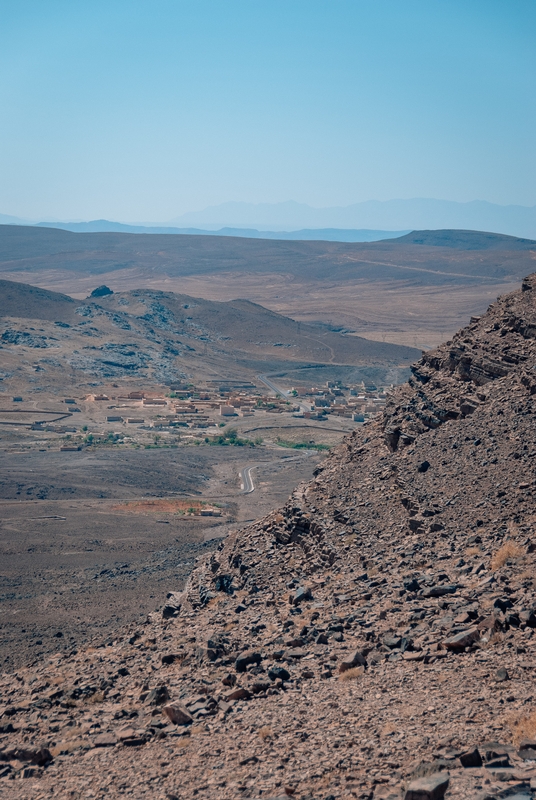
374, 638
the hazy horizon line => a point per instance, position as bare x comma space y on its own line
170, 221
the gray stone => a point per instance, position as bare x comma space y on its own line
432, 787
499, 763
279, 673
355, 660
104, 740
440, 591
177, 714
529, 618
503, 603
294, 653
260, 686
158, 696
238, 694
471, 758
416, 524
301, 595
170, 658
246, 658
527, 750
30, 753
462, 640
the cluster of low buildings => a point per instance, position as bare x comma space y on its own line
106, 416
193, 406
356, 402
197, 407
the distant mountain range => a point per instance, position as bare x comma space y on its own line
322, 234
389, 215
373, 220
108, 226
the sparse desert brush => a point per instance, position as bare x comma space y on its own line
265, 732
513, 528
95, 699
472, 551
182, 742
509, 550
388, 728
527, 575
522, 727
352, 674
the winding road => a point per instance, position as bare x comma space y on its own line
247, 481
245, 474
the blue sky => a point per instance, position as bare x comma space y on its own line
141, 111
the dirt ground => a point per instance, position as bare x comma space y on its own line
79, 558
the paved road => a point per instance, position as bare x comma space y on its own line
278, 390
247, 481
271, 385
245, 474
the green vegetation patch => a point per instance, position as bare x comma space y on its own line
302, 445
231, 437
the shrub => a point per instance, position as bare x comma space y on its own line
352, 674
523, 727
229, 437
509, 550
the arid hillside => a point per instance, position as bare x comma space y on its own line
165, 337
482, 255
373, 638
417, 290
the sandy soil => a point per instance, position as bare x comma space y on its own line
93, 553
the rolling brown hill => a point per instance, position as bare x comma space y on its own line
414, 290
163, 337
483, 256
31, 302
468, 240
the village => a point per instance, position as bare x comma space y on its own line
209, 413
192, 411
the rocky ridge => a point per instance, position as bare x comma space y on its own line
151, 336
374, 638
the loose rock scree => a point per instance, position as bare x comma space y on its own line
373, 638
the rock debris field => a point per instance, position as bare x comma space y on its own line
373, 638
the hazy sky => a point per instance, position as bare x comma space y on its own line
144, 110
